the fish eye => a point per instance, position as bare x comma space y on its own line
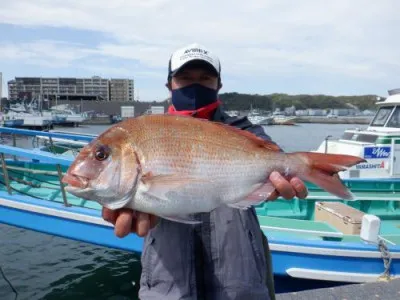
102, 153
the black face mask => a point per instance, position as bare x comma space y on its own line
193, 97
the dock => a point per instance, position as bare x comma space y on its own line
362, 120
365, 291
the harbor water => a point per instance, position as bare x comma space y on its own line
41, 266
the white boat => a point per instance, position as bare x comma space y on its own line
74, 117
17, 107
71, 117
259, 119
30, 119
281, 119
379, 143
57, 119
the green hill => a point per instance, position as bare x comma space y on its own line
236, 101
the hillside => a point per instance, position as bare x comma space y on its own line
236, 101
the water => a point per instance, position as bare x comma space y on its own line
47, 267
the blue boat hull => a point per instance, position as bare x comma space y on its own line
38, 215
328, 267
13, 123
291, 258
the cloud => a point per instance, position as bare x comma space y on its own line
353, 40
149, 55
45, 53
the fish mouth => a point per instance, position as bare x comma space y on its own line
75, 181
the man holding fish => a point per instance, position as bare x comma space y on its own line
187, 181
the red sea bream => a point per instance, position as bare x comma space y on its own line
174, 166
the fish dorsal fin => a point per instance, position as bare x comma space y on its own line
251, 136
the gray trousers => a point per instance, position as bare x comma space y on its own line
221, 258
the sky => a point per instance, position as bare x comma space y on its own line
337, 47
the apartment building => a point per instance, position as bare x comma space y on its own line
121, 90
94, 88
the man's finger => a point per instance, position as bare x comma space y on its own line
273, 196
153, 221
109, 215
300, 187
124, 223
283, 186
142, 223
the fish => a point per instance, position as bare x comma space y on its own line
176, 166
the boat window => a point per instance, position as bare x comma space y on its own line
395, 119
347, 135
367, 138
382, 115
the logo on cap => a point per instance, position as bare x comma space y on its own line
205, 52
192, 52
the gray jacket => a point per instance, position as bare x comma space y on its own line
221, 258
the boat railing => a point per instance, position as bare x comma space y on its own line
34, 156
74, 137
10, 153
65, 140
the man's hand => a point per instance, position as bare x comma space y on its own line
127, 221
288, 189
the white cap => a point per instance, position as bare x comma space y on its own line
190, 53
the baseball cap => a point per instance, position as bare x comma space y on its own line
193, 53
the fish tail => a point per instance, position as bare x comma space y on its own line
321, 170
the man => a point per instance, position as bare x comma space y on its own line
224, 256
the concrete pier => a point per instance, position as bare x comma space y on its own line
388, 290
337, 120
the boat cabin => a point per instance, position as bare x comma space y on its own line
379, 143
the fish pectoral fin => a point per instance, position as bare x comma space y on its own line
245, 204
116, 204
261, 193
175, 180
258, 196
186, 219
163, 187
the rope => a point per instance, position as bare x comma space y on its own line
387, 260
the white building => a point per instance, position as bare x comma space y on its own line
302, 112
74, 88
317, 112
